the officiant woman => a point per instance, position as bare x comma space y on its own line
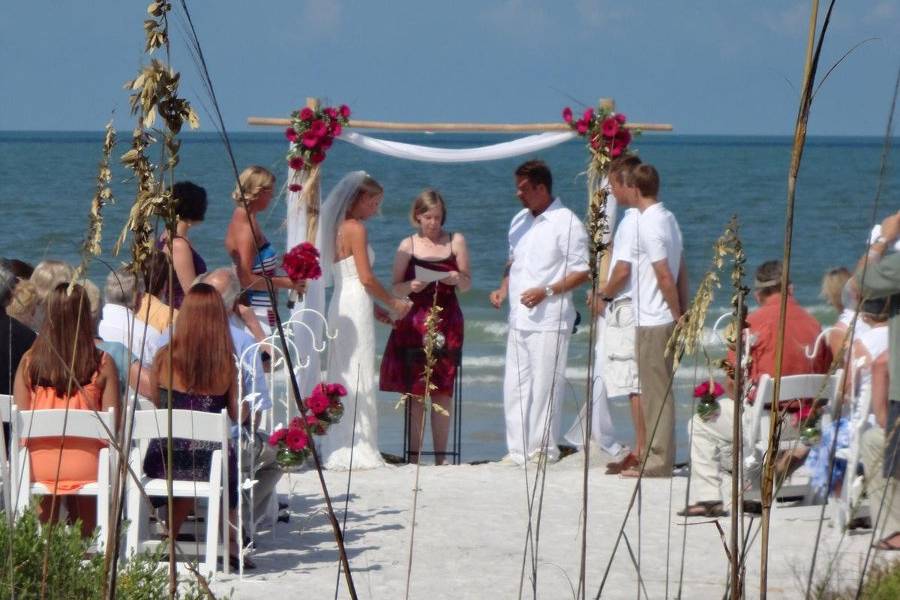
430, 265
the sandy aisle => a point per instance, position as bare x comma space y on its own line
472, 523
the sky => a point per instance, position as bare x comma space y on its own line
705, 66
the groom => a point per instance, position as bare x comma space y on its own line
547, 260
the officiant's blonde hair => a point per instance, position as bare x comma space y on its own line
253, 180
424, 202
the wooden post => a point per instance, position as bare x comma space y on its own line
313, 197
603, 270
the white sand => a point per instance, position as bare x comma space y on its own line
471, 531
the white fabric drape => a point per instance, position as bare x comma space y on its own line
525, 145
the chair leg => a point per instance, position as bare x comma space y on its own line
212, 515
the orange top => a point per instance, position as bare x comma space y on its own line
75, 459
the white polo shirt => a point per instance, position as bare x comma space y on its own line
658, 238
544, 250
623, 248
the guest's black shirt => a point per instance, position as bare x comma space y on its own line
15, 340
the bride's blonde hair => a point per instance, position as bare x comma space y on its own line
369, 186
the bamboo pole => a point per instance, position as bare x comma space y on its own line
774, 428
455, 127
737, 442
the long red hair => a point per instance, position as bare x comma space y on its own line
66, 340
201, 347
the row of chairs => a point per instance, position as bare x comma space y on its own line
147, 425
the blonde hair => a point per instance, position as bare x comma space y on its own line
367, 186
424, 202
23, 303
48, 274
833, 285
253, 180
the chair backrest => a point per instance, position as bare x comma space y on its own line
6, 403
59, 421
794, 387
186, 424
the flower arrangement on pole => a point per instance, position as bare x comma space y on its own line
311, 134
607, 136
325, 407
293, 445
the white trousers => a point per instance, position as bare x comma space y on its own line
711, 451
602, 431
533, 388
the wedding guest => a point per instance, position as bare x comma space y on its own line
46, 276
878, 276
346, 260
203, 378
253, 255
444, 258
266, 472
660, 299
152, 308
44, 381
843, 298
547, 260
711, 438
19, 268
190, 209
15, 340
117, 320
23, 304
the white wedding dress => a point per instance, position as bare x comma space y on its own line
351, 362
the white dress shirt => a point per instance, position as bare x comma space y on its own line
544, 250
118, 324
659, 237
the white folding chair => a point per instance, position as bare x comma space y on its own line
793, 387
186, 424
6, 404
851, 490
34, 424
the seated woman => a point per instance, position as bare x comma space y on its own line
840, 293
43, 382
203, 378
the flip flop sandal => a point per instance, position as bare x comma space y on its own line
703, 509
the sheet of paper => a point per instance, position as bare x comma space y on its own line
429, 275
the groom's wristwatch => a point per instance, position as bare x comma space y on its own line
548, 291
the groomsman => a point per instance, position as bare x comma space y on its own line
660, 297
547, 260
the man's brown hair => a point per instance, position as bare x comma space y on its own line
537, 173
646, 179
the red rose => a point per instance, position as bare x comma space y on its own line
315, 425
295, 187
589, 115
623, 137
306, 114
277, 436
296, 163
296, 440
317, 402
581, 127
335, 389
336, 129
317, 157
620, 118
326, 143
615, 152
290, 134
609, 127
345, 111
567, 114
331, 112
319, 128
310, 139
595, 143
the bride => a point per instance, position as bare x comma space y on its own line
347, 264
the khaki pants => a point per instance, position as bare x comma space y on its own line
655, 374
712, 451
871, 449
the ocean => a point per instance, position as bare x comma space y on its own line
47, 180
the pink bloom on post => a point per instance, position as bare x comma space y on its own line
295, 187
589, 115
336, 129
623, 137
581, 127
609, 127
620, 118
326, 143
331, 112
310, 139
345, 111
296, 163
567, 114
306, 114
615, 152
319, 128
317, 157
290, 134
